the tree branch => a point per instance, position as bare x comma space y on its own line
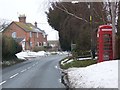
65, 10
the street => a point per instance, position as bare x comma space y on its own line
42, 72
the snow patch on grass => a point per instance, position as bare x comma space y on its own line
100, 75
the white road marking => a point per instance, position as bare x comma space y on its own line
28, 67
2, 82
56, 67
24, 70
14, 75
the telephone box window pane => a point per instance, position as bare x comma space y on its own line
107, 42
106, 57
107, 38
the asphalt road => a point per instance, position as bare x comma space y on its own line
42, 72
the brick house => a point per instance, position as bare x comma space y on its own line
27, 34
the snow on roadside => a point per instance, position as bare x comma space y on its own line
70, 61
63, 62
25, 54
84, 58
101, 75
41, 53
66, 61
30, 54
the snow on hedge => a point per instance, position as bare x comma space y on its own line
101, 75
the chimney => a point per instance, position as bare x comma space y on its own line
22, 18
35, 24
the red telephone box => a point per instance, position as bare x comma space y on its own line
104, 43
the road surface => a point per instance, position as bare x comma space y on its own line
42, 72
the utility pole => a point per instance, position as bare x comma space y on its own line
113, 11
90, 6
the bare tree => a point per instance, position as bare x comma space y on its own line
108, 7
112, 13
3, 24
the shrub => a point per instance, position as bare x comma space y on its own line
80, 53
41, 48
36, 48
47, 47
10, 47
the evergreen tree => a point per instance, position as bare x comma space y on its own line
73, 24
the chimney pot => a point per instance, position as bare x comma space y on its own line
35, 24
22, 18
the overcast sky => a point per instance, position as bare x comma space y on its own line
34, 11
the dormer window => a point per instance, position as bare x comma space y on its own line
30, 34
14, 35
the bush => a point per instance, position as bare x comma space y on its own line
80, 53
36, 48
47, 48
41, 48
10, 47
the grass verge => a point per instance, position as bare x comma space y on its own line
77, 63
10, 62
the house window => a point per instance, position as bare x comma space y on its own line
44, 35
38, 44
30, 34
14, 35
30, 44
37, 34
44, 44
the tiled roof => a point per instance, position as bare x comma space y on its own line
28, 27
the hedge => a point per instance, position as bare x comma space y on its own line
9, 47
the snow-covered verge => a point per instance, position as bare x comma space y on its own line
101, 75
66, 61
28, 54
